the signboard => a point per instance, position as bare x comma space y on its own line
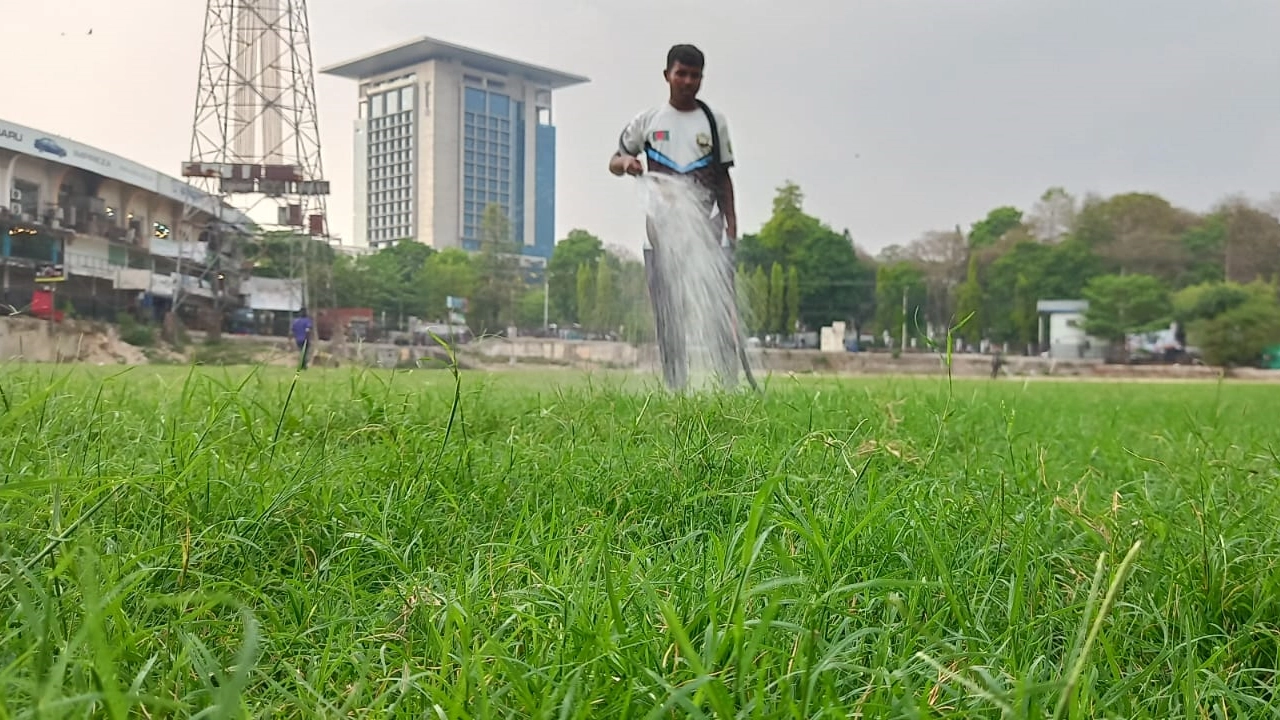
278, 294
133, 279
50, 272
69, 152
56, 148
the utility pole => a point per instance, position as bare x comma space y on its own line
904, 318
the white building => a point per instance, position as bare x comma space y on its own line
114, 228
1061, 326
443, 131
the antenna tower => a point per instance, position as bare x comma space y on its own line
255, 141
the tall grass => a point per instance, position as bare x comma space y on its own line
236, 543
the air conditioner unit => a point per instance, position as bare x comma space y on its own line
15, 194
15, 208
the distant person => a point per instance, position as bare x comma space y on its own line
679, 138
302, 335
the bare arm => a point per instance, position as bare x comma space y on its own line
630, 145
728, 209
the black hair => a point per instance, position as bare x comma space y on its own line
685, 55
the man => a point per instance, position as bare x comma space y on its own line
302, 335
678, 138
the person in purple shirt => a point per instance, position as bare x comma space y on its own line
302, 335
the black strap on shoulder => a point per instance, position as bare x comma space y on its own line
715, 132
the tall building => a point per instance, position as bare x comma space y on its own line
443, 131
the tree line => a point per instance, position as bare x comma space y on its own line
1141, 262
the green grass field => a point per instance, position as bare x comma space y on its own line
232, 543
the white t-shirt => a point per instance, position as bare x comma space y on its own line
678, 142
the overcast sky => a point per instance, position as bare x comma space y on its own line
894, 116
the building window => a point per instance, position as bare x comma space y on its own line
475, 101
390, 165
488, 155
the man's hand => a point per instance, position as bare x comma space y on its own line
625, 165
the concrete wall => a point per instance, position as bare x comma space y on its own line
25, 339
564, 352
587, 354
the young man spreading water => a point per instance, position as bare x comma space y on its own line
678, 139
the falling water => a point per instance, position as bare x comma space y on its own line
705, 300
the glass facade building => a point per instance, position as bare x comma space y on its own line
445, 132
490, 171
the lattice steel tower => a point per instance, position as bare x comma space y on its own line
256, 139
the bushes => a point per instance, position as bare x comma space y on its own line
135, 333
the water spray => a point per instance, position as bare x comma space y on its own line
698, 278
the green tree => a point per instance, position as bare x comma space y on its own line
969, 304
498, 280
577, 249
1124, 304
757, 286
1232, 324
529, 314
1137, 233
891, 281
603, 315
1023, 275
1240, 335
999, 222
1251, 242
1205, 244
752, 253
835, 283
632, 302
351, 283
285, 254
783, 236
777, 300
586, 284
793, 298
941, 255
448, 273
391, 274
1210, 299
